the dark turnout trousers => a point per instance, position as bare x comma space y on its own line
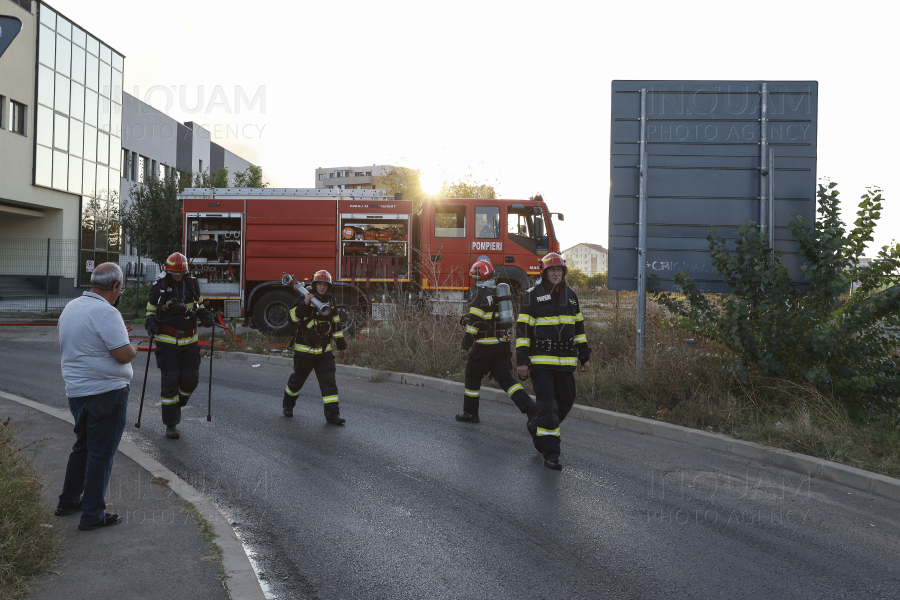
555, 394
495, 359
180, 373
326, 372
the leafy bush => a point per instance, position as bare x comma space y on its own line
821, 337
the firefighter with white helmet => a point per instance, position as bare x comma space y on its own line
173, 308
316, 335
486, 346
550, 342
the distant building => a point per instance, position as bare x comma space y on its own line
352, 178
590, 259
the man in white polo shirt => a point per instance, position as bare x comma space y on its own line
95, 366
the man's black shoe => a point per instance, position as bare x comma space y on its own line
336, 419
532, 430
467, 418
106, 521
172, 432
64, 512
552, 463
288, 411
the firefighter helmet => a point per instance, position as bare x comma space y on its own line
325, 276
177, 263
482, 269
553, 260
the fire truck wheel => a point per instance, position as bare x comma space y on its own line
271, 313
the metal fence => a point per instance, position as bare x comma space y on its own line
40, 275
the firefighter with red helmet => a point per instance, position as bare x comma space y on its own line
486, 346
173, 308
550, 342
315, 337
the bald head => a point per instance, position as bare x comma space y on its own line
105, 275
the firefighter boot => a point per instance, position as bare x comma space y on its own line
553, 463
333, 414
468, 418
172, 432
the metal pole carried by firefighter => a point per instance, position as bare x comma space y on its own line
486, 346
317, 330
550, 342
144, 388
173, 308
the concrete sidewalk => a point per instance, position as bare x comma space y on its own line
157, 550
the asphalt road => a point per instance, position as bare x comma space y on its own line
404, 502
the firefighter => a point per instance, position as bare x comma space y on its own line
173, 308
486, 347
314, 337
550, 342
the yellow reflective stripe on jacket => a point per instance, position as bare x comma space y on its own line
558, 361
189, 305
527, 319
492, 340
579, 316
523, 342
170, 339
339, 334
472, 330
293, 314
477, 312
472, 393
310, 349
336, 319
580, 339
329, 399
151, 308
560, 320
554, 432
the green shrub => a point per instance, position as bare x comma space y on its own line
817, 336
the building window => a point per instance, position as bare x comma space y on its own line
17, 117
141, 166
2, 112
201, 166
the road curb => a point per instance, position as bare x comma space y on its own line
242, 583
817, 468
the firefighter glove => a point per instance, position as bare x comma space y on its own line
152, 326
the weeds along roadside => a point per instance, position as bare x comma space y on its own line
683, 382
27, 546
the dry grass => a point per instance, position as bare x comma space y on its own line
27, 545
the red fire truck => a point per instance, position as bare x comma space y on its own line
241, 241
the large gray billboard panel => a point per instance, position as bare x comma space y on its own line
703, 170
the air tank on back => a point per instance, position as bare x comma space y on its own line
504, 307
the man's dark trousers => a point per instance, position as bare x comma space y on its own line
554, 392
99, 423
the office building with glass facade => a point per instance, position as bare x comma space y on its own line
63, 169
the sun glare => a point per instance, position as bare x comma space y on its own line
431, 182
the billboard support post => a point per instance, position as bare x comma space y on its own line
763, 163
772, 201
642, 237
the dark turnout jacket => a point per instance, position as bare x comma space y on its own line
550, 329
